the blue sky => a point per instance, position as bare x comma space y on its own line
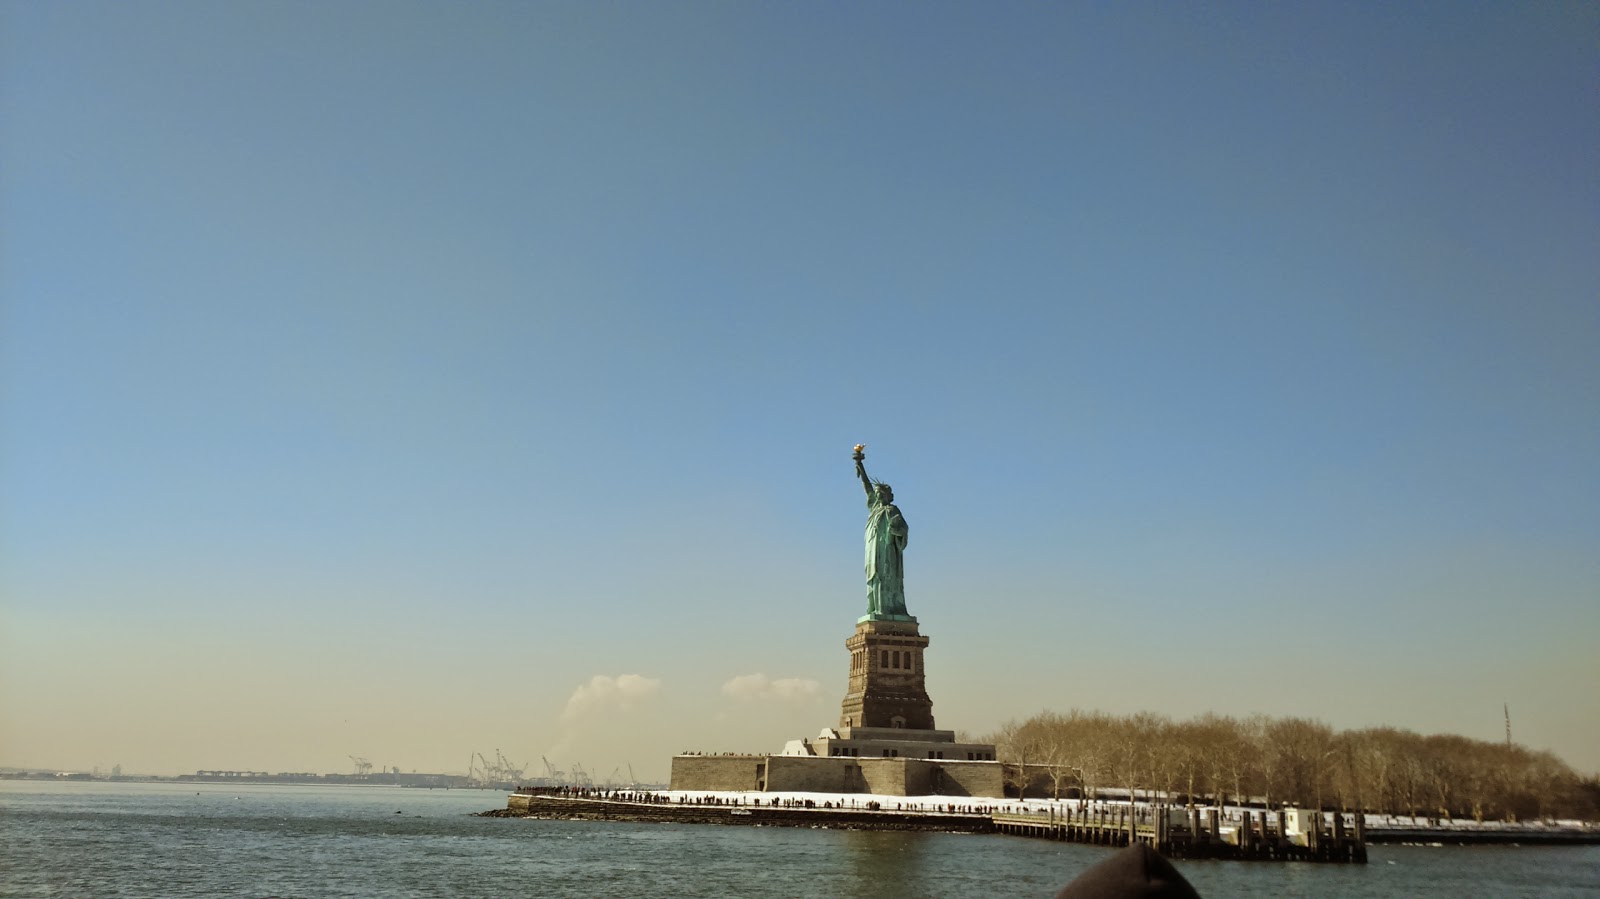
407, 380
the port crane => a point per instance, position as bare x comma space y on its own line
554, 775
498, 772
614, 779
363, 767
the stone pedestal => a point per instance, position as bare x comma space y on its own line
886, 677
885, 742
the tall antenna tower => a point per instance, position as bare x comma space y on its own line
1508, 724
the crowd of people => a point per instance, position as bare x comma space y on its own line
652, 797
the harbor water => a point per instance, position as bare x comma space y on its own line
170, 839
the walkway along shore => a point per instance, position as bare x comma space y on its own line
586, 808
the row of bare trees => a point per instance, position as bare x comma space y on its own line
1267, 760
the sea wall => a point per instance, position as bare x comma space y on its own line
811, 774
718, 772
836, 774
965, 779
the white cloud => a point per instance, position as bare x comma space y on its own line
748, 687
606, 693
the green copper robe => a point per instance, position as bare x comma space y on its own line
886, 544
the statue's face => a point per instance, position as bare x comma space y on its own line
885, 494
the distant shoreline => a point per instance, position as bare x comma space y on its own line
423, 781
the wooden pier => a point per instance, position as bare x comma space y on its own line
1256, 835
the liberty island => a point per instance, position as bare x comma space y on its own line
886, 750
885, 766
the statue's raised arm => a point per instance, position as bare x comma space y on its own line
861, 471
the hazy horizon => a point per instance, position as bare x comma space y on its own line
412, 380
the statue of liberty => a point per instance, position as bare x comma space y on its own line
886, 545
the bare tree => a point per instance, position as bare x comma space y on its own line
1222, 753
1381, 769
1267, 763
1017, 746
1058, 749
1092, 735
1297, 751
1188, 742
